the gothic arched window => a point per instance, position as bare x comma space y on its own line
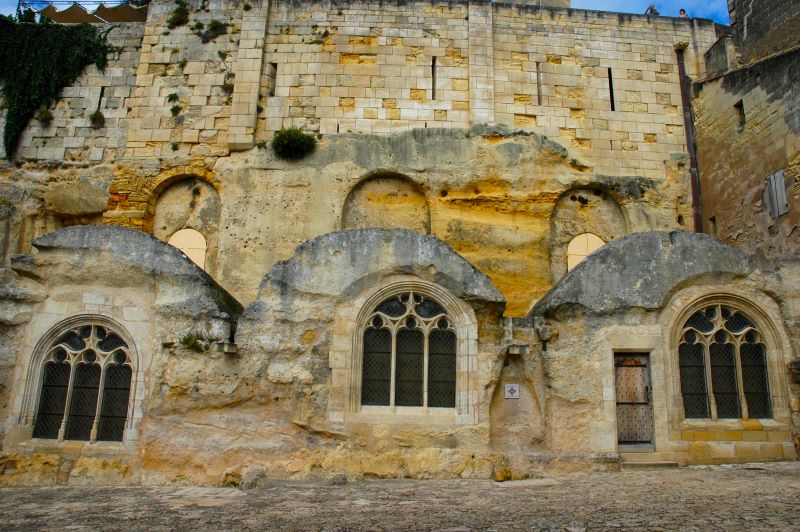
86, 384
409, 354
723, 366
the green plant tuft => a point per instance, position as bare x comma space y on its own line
179, 16
182, 63
197, 341
215, 29
174, 146
36, 62
97, 119
247, 7
176, 110
173, 97
168, 345
261, 144
292, 144
44, 116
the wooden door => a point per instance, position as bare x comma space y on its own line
634, 412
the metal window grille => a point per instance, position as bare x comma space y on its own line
409, 356
725, 344
86, 385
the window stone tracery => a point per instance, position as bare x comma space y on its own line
85, 385
723, 365
409, 354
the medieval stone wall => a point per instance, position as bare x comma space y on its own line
747, 126
70, 137
764, 26
490, 193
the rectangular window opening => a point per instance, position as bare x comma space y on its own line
739, 106
433, 78
712, 226
538, 85
611, 90
272, 75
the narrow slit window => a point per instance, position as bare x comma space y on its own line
538, 85
739, 106
611, 90
433, 78
272, 76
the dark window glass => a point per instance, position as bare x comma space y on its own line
111, 342
392, 307
442, 369
737, 322
693, 380
377, 367
723, 378
83, 407
114, 410
701, 321
72, 340
429, 309
52, 401
408, 381
754, 378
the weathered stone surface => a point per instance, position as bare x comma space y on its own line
346, 261
126, 248
640, 271
87, 196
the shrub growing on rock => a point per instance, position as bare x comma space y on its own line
293, 144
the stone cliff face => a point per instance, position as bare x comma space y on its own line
462, 148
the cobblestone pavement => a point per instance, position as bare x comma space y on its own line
742, 497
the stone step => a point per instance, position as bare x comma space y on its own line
647, 466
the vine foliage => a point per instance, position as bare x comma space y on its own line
36, 62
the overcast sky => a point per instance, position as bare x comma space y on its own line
713, 9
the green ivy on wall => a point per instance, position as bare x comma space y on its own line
36, 62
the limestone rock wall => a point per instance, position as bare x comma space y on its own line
148, 290
490, 193
589, 324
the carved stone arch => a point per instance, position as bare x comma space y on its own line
187, 201
751, 305
156, 186
387, 200
350, 320
578, 211
34, 371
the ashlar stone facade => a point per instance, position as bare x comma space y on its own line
404, 301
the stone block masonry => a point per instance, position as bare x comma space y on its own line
381, 68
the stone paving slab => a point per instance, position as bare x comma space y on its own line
742, 497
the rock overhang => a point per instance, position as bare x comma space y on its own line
344, 262
145, 254
641, 270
